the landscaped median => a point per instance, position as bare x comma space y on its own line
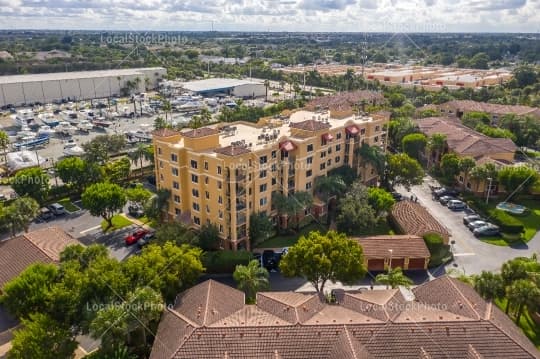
118, 222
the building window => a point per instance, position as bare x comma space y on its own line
363, 131
176, 185
194, 178
337, 159
338, 137
161, 176
309, 160
206, 179
310, 148
220, 214
193, 164
219, 185
263, 160
195, 193
274, 167
263, 201
174, 158
221, 228
177, 211
309, 173
174, 171
377, 128
308, 186
376, 139
338, 147
220, 200
159, 150
206, 165
196, 207
274, 154
176, 198
262, 174
197, 221
207, 195
160, 164
323, 154
274, 181
207, 209
322, 166
262, 188
218, 170
329, 162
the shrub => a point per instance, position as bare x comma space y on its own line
506, 222
225, 261
440, 252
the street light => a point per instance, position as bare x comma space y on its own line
489, 189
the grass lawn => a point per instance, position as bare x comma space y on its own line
287, 240
149, 222
380, 229
504, 240
118, 222
526, 323
68, 205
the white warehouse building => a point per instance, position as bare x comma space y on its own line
81, 85
224, 86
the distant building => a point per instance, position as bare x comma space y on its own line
221, 174
80, 85
443, 318
226, 87
458, 108
346, 101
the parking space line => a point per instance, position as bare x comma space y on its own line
90, 229
464, 254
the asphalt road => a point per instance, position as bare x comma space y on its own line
472, 255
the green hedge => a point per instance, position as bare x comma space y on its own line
506, 221
440, 252
225, 261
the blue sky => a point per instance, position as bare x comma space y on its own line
275, 15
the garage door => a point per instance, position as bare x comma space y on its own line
398, 262
376, 264
416, 263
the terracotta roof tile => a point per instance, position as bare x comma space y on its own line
201, 132
51, 240
310, 125
345, 101
402, 246
414, 219
475, 106
165, 132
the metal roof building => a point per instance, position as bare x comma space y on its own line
224, 86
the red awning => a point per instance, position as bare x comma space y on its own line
327, 137
287, 146
352, 130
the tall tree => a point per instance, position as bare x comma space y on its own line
321, 258
260, 227
518, 179
450, 166
523, 293
140, 154
489, 285
436, 147
251, 279
31, 182
414, 145
329, 186
466, 165
76, 172
20, 213
4, 143
138, 195
394, 278
104, 199
355, 215
404, 170
380, 200
158, 204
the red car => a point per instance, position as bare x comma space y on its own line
135, 236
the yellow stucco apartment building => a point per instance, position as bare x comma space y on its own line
222, 173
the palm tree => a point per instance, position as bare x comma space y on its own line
4, 143
139, 154
299, 202
283, 207
394, 278
266, 86
437, 146
166, 108
489, 285
251, 279
466, 165
329, 186
482, 173
374, 156
523, 293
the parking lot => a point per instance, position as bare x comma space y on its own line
471, 255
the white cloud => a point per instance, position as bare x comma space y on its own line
277, 15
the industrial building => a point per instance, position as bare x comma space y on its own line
81, 85
228, 87
221, 174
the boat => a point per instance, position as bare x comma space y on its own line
48, 119
34, 142
25, 132
143, 134
70, 116
102, 122
87, 115
73, 149
46, 130
66, 128
85, 126
24, 117
191, 106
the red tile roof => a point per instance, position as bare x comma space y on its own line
447, 319
345, 101
310, 125
475, 106
402, 246
165, 132
41, 246
201, 132
414, 219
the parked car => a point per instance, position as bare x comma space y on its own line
57, 209
135, 236
270, 259
135, 211
146, 239
456, 205
469, 211
487, 230
397, 196
438, 193
477, 224
471, 218
445, 199
45, 214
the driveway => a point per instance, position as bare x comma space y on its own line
472, 256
